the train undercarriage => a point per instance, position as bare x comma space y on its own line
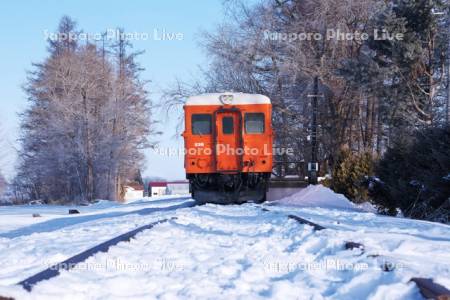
223, 188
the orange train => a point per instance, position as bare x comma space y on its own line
228, 147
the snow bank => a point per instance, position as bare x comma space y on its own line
320, 196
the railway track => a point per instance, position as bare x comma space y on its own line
428, 288
56, 224
71, 262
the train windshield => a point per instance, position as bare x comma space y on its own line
227, 125
254, 123
201, 124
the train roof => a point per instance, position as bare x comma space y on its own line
227, 98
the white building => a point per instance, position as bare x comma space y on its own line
157, 189
133, 192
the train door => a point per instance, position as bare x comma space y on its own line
228, 136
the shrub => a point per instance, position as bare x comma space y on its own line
350, 173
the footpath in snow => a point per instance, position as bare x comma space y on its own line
223, 252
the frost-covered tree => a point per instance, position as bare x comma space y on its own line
3, 148
272, 48
89, 117
3, 184
3, 155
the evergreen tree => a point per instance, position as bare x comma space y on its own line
416, 175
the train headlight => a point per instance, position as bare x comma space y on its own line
226, 99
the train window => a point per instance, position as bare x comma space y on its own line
227, 125
254, 123
201, 124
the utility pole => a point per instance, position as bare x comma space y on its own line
313, 165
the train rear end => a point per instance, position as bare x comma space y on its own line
228, 141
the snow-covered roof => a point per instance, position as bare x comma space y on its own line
227, 98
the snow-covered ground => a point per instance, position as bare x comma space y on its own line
223, 252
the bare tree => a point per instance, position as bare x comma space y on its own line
277, 48
255, 53
3, 157
3, 148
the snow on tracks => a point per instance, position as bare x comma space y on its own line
428, 288
27, 254
59, 223
70, 263
222, 252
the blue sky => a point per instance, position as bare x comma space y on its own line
22, 30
